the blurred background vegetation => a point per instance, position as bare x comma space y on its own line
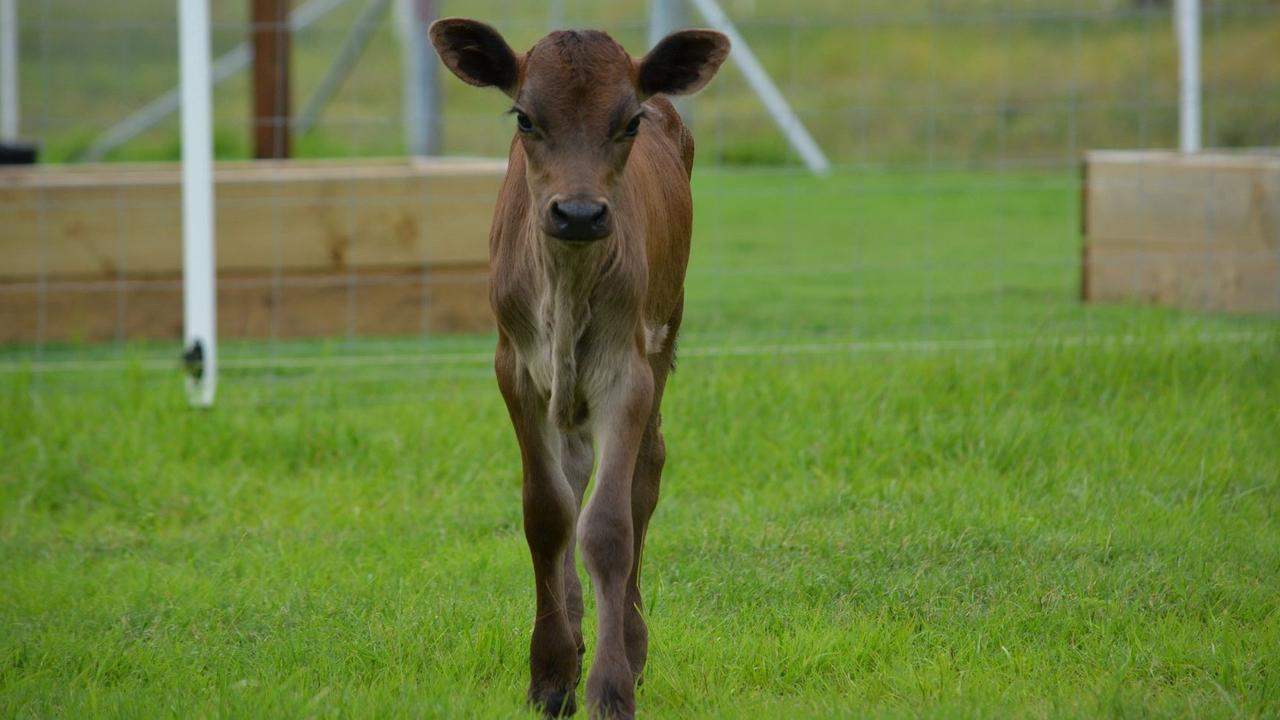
937, 83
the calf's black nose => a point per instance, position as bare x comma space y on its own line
579, 219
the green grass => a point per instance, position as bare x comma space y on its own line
1076, 518
1045, 530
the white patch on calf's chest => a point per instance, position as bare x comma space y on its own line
574, 378
654, 338
582, 336
538, 362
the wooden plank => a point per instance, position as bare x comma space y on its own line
313, 217
253, 306
1199, 232
1192, 280
243, 171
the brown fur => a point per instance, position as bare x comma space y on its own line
587, 330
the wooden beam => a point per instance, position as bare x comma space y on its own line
312, 216
271, 55
305, 249
452, 299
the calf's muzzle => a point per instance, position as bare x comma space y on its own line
578, 218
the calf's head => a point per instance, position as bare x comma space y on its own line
577, 100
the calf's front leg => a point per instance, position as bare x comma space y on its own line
605, 534
549, 509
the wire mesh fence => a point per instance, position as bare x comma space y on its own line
953, 214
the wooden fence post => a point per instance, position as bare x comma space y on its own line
269, 31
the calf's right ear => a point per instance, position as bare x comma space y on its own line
476, 53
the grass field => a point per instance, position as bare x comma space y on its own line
1050, 530
910, 474
1029, 508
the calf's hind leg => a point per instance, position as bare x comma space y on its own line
644, 499
645, 486
576, 457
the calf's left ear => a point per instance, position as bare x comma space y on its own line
476, 53
682, 63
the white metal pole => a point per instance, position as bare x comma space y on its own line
421, 75
198, 257
8, 69
555, 15
666, 17
754, 73
1187, 24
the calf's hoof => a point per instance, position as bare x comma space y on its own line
612, 709
554, 702
611, 700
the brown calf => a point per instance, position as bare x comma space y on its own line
587, 251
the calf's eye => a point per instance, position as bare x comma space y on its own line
633, 127
523, 123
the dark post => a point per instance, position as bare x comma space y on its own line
269, 35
